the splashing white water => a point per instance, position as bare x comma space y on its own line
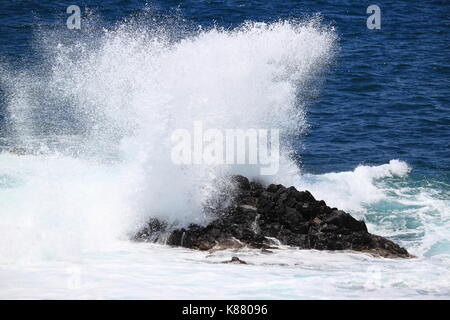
351, 190
103, 112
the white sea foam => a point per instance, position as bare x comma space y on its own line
350, 190
147, 271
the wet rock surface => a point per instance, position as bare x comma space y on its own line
264, 217
235, 260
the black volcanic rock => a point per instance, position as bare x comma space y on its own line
263, 217
235, 260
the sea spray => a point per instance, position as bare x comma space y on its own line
98, 115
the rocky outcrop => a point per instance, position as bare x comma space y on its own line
264, 217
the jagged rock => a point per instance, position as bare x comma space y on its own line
235, 260
263, 217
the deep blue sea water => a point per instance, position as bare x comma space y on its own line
376, 138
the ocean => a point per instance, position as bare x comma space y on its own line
86, 117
